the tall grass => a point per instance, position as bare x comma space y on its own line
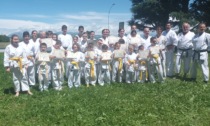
173, 103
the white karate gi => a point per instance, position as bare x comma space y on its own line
136, 46
146, 41
88, 78
161, 41
43, 71
74, 71
154, 65
30, 51
201, 44
171, 39
98, 65
105, 41
66, 40
184, 51
36, 45
57, 72
20, 79
104, 73
130, 69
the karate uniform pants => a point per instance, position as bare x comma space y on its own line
74, 78
20, 80
155, 68
115, 71
170, 62
163, 64
31, 75
43, 82
104, 77
57, 79
88, 78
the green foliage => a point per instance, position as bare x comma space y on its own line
201, 10
173, 103
4, 38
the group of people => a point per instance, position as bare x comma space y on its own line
131, 58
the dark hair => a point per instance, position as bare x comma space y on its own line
201, 23
43, 44
81, 27
121, 41
116, 44
159, 27
104, 47
92, 32
78, 47
90, 45
48, 33
33, 31
133, 31
120, 29
14, 35
64, 27
152, 38
58, 42
103, 30
25, 33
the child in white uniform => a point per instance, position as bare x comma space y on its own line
57, 67
90, 65
130, 63
16, 61
155, 55
43, 69
117, 64
104, 72
73, 66
142, 71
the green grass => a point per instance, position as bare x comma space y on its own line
173, 103
4, 44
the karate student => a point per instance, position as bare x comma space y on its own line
155, 55
133, 27
43, 69
98, 50
55, 37
184, 52
80, 33
130, 62
161, 41
201, 44
74, 70
104, 72
90, 65
121, 35
66, 39
28, 46
104, 38
171, 43
134, 36
142, 70
57, 67
34, 39
92, 35
15, 61
117, 64
146, 38
84, 43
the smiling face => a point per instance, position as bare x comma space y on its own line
202, 28
185, 27
75, 48
15, 41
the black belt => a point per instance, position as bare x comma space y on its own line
199, 53
184, 50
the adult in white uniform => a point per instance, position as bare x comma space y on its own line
104, 37
171, 43
133, 27
136, 39
66, 39
12, 55
92, 35
121, 35
28, 46
80, 33
146, 38
34, 39
201, 44
184, 49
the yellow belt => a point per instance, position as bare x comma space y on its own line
47, 70
120, 64
106, 62
61, 70
156, 56
76, 64
92, 68
140, 76
20, 62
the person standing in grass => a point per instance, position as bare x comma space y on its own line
117, 63
90, 65
73, 67
171, 43
130, 62
104, 72
28, 46
201, 44
184, 49
43, 69
57, 67
34, 39
15, 61
155, 55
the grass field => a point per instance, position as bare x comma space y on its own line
173, 103
3, 44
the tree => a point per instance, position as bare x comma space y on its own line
201, 10
4, 38
156, 12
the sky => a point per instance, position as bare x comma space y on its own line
20, 15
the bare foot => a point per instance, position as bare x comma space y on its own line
30, 93
16, 94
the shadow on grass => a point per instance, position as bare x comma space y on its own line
9, 91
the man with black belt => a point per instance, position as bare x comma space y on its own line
184, 46
201, 44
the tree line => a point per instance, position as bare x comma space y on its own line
4, 38
157, 12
